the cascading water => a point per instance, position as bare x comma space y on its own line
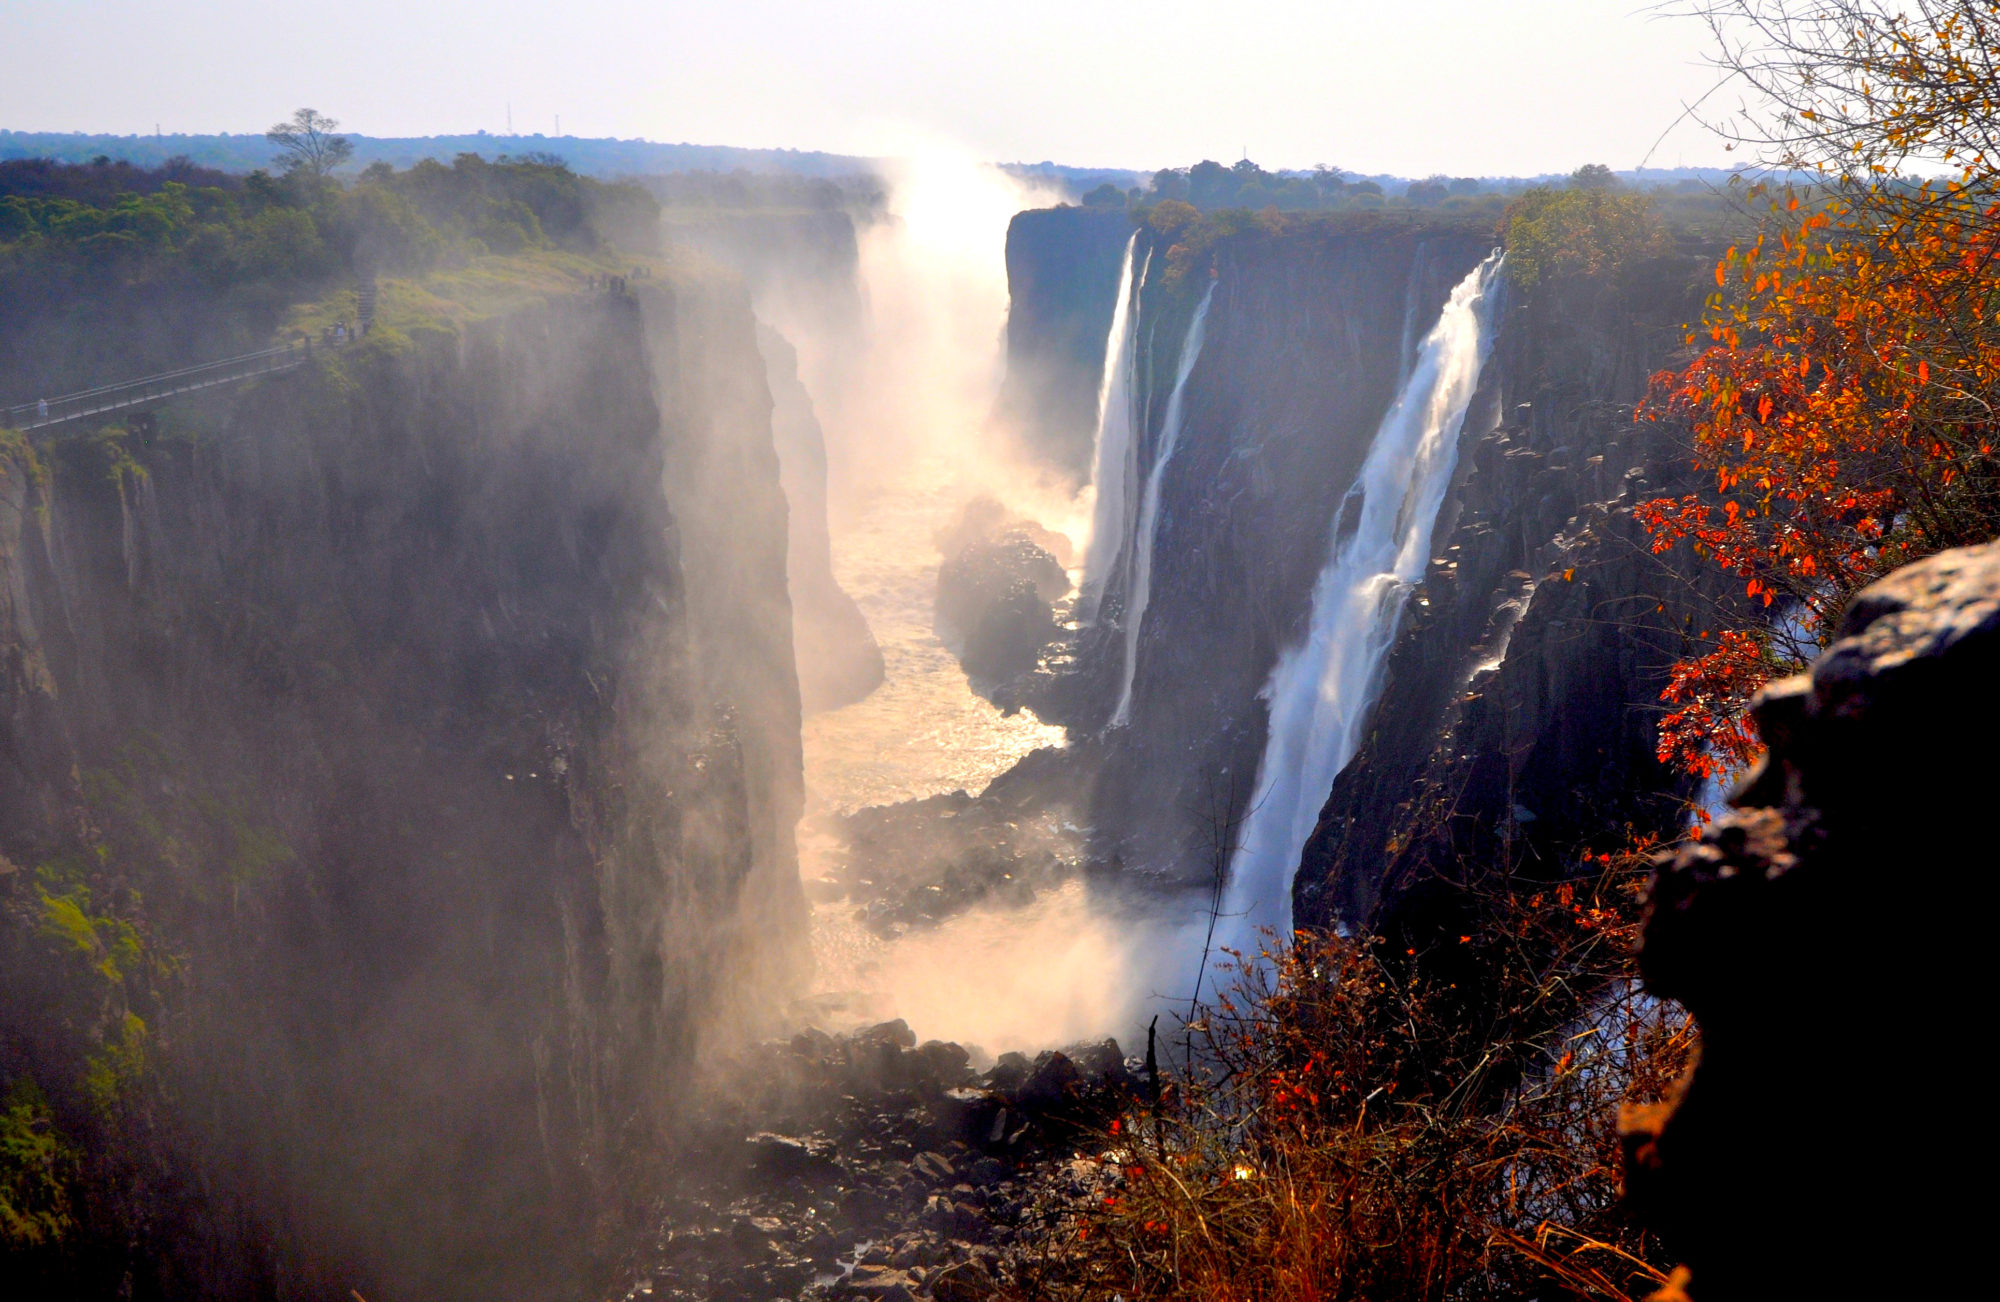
1322, 690
1115, 461
1140, 590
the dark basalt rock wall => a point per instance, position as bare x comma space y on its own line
839, 661
420, 711
1515, 720
1305, 344
1062, 286
1824, 937
802, 270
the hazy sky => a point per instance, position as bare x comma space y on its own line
1458, 86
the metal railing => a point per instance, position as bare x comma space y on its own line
132, 393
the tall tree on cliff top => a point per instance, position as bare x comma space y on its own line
309, 143
1846, 397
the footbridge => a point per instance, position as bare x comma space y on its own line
109, 398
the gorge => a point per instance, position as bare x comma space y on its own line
453, 762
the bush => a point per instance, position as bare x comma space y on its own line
1425, 1117
1568, 234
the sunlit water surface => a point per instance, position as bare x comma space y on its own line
923, 732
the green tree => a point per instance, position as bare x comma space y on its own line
309, 143
1593, 176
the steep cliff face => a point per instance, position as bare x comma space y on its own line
1062, 283
1515, 714
429, 718
1515, 721
802, 272
1306, 343
839, 661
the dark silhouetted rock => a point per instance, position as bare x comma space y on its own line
782, 1157
897, 1033
1010, 1072
1054, 1082
1826, 937
996, 590
942, 1064
1101, 1064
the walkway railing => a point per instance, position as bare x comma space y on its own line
132, 393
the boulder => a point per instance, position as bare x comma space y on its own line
781, 1157
1009, 1073
965, 1281
1827, 936
897, 1033
996, 591
1054, 1082
966, 1114
1101, 1064
880, 1282
942, 1064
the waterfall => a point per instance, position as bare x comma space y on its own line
1321, 690
1115, 463
1140, 591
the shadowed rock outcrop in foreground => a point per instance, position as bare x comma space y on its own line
1824, 936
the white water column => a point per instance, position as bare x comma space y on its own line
1140, 590
1322, 690
1115, 458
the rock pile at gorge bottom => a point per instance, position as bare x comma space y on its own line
913, 864
1826, 936
871, 1166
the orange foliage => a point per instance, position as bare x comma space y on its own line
1844, 398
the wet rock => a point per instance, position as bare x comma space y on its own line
1101, 1063
988, 1171
953, 1217
966, 1114
995, 592
897, 1033
880, 1282
964, 1281
1009, 1073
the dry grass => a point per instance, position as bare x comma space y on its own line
1400, 1119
